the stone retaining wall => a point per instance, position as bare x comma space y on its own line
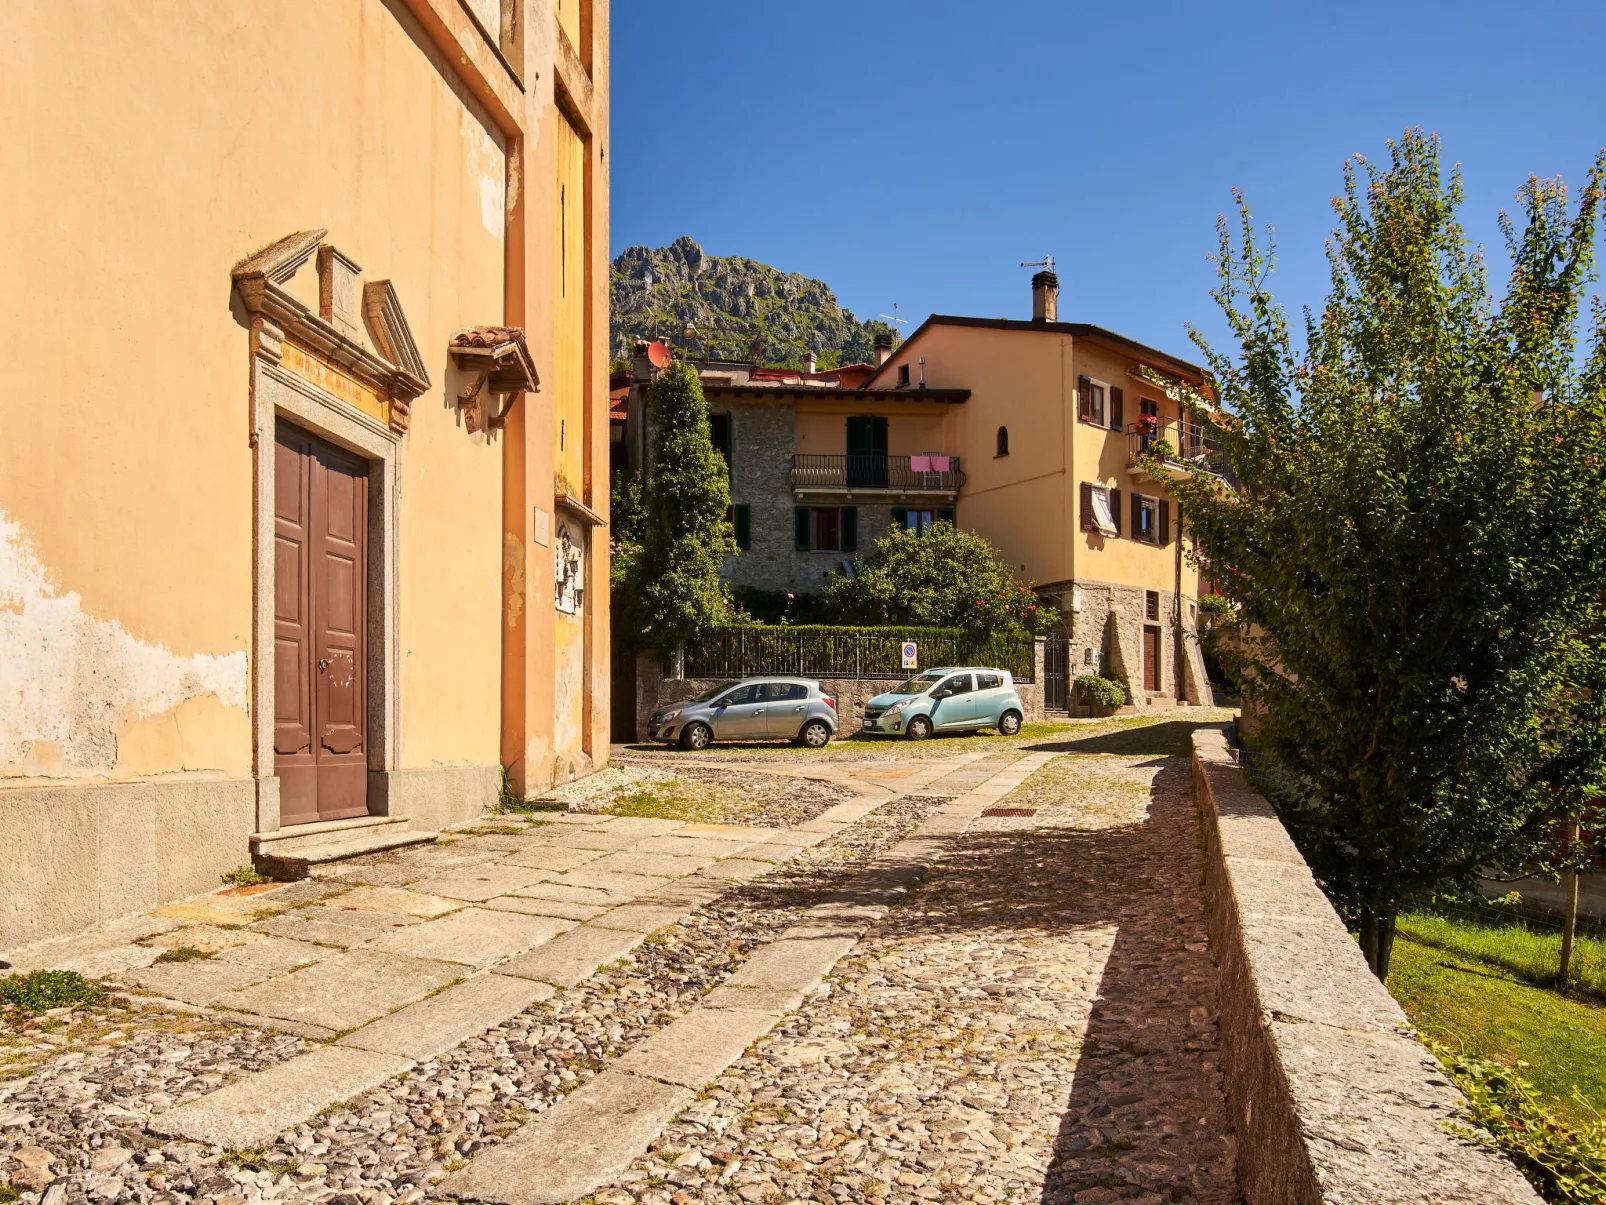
1332, 1097
653, 690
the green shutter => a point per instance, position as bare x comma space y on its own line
900, 518
850, 529
744, 525
802, 526
945, 514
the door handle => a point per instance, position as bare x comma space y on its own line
323, 665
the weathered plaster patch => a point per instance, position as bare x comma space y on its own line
488, 166
513, 568
71, 682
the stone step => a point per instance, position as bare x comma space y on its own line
293, 853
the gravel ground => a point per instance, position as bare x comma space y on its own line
716, 795
74, 1123
1037, 1024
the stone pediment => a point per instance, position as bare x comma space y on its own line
392, 366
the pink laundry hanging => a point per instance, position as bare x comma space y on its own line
939, 464
920, 464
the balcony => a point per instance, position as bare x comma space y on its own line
864, 474
1184, 446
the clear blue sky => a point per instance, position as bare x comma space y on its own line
917, 151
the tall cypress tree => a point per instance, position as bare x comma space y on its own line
668, 590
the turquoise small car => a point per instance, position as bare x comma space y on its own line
947, 700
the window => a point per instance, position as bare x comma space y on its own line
719, 434
827, 528
741, 516
781, 692
1099, 403
1145, 519
989, 681
903, 375
1101, 509
920, 521
1151, 604
959, 684
744, 694
1087, 655
1003, 441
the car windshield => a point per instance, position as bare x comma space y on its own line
920, 683
708, 694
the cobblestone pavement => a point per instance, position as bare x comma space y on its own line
80, 1085
1038, 1023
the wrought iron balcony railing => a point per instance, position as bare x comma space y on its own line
894, 474
1182, 445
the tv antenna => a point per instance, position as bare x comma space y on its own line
1046, 263
893, 317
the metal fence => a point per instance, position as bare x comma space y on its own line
822, 652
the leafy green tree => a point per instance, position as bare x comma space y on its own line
667, 588
946, 578
1414, 546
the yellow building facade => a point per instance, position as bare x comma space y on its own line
304, 484
1049, 437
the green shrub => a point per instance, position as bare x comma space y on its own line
40, 991
1100, 692
820, 651
1566, 1166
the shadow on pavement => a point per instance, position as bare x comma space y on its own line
1173, 738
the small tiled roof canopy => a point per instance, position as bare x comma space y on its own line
511, 369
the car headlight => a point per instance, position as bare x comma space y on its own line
669, 715
896, 708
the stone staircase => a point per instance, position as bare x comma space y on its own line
292, 853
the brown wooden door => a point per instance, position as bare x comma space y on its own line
1151, 658
320, 629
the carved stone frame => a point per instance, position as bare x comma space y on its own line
277, 393
399, 375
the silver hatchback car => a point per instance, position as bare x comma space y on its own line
755, 709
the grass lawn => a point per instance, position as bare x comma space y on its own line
1486, 1010
1532, 955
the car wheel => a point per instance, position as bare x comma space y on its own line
1009, 723
696, 736
919, 728
816, 734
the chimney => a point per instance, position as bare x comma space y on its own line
883, 348
1045, 297
809, 362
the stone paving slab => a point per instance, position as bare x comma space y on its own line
67, 953
675, 843
644, 917
662, 865
481, 882
250, 1112
475, 936
693, 1050
570, 957
588, 1137
236, 906
109, 960
433, 1026
610, 881
799, 838
644, 826
395, 901
538, 907
555, 859
602, 842
204, 980
593, 897
739, 870
330, 927
776, 1001
209, 939
347, 990
797, 964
